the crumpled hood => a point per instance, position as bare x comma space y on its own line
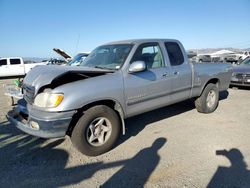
241, 69
44, 75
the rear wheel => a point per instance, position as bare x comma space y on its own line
209, 99
96, 131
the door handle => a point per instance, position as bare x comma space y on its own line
165, 74
176, 73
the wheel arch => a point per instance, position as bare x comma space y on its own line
215, 81
113, 104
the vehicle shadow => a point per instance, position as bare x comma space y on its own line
28, 161
236, 175
223, 95
32, 162
136, 124
14, 144
136, 171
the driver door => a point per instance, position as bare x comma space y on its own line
149, 89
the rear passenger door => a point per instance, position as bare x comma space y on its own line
16, 68
181, 72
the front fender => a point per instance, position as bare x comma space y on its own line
80, 93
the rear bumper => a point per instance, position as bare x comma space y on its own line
44, 124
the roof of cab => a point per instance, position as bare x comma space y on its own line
137, 41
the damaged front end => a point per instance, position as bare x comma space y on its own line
41, 124
31, 115
44, 77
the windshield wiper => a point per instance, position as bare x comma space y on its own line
100, 67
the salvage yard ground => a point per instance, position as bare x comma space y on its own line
171, 147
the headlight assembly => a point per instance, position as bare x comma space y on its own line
48, 100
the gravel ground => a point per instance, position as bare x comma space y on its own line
171, 147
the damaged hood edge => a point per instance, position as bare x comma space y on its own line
43, 75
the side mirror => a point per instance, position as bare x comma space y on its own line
137, 66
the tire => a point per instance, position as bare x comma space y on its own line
85, 134
201, 103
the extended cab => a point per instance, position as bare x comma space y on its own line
116, 81
15, 66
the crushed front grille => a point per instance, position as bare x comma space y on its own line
29, 93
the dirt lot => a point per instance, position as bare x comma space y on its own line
171, 147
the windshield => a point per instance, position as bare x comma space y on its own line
77, 60
246, 61
108, 56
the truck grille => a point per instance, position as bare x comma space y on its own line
29, 93
243, 78
239, 76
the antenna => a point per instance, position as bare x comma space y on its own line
77, 42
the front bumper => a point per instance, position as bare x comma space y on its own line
41, 124
240, 81
233, 83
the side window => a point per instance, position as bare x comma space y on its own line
15, 61
3, 62
174, 53
151, 54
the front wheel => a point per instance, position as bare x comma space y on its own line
96, 131
209, 99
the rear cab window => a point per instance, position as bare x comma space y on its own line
15, 61
3, 62
174, 53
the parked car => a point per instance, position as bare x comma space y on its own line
15, 66
191, 54
78, 59
231, 58
217, 59
244, 55
72, 61
203, 58
241, 74
13, 91
225, 56
55, 61
116, 81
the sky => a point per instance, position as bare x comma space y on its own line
30, 28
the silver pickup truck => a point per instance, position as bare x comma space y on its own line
116, 81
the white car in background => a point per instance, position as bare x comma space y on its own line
78, 59
244, 55
72, 61
15, 66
